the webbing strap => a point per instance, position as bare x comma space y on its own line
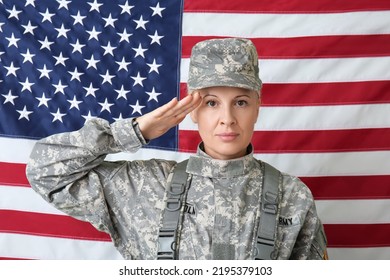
176, 195
168, 235
268, 216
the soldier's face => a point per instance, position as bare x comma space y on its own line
226, 119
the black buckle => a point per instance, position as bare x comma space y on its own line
166, 244
264, 249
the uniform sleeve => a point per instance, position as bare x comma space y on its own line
68, 170
301, 233
311, 242
318, 249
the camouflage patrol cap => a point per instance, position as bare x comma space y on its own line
224, 62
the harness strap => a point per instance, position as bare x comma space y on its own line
269, 214
168, 236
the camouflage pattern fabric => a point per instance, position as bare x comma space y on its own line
224, 62
126, 198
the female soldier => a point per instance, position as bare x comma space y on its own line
130, 200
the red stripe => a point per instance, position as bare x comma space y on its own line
357, 235
370, 92
282, 6
349, 187
311, 46
21, 222
322, 141
13, 174
307, 141
319, 94
188, 140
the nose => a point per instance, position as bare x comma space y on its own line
227, 116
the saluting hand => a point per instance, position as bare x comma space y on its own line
160, 120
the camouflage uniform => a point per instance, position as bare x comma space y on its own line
126, 199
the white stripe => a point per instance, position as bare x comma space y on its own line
285, 25
15, 150
24, 199
354, 211
316, 70
325, 70
50, 248
331, 164
377, 253
316, 117
324, 117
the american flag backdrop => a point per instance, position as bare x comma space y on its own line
325, 115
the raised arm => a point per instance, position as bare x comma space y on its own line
63, 158
69, 171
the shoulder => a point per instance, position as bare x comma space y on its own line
294, 194
291, 186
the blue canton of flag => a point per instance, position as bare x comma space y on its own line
64, 62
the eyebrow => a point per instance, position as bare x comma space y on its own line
238, 96
242, 95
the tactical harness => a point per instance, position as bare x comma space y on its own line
172, 220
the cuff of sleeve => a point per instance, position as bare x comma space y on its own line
139, 133
128, 135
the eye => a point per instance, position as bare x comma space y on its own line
211, 103
241, 103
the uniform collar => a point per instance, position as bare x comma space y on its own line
203, 165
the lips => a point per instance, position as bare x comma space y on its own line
227, 136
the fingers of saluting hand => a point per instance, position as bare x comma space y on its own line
159, 121
179, 109
186, 105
